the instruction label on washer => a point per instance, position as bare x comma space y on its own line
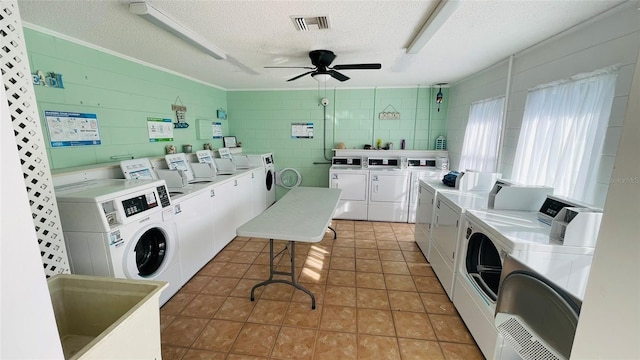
115, 239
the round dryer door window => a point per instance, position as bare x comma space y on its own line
288, 178
269, 180
484, 264
150, 250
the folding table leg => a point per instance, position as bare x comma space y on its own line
335, 236
272, 271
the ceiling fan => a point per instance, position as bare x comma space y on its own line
321, 71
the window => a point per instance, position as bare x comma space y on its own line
562, 134
482, 136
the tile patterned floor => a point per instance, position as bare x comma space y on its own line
377, 298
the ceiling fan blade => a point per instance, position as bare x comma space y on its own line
338, 76
358, 67
299, 76
289, 67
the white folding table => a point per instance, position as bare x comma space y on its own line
302, 215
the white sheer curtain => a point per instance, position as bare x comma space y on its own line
482, 136
562, 134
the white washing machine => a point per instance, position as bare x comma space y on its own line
420, 169
388, 190
266, 161
348, 174
487, 237
121, 228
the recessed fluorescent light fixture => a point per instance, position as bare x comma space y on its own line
438, 17
164, 22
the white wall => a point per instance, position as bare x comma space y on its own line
27, 324
484, 85
609, 326
611, 39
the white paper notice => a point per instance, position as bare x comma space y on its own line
72, 129
160, 129
302, 130
217, 130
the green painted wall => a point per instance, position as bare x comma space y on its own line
261, 120
122, 94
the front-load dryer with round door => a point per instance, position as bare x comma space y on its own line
288, 178
487, 237
121, 228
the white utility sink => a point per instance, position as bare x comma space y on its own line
107, 318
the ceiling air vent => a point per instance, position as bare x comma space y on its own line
310, 23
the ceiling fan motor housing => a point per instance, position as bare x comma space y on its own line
322, 60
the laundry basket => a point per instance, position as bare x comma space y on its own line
107, 318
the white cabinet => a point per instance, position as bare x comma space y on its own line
233, 204
258, 178
195, 228
444, 241
224, 207
423, 219
245, 196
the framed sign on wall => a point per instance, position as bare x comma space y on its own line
302, 130
229, 141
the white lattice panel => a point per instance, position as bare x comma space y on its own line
18, 85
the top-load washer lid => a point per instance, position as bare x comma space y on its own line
225, 166
205, 156
241, 161
536, 317
288, 178
99, 190
179, 162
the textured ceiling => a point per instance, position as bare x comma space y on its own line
261, 33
